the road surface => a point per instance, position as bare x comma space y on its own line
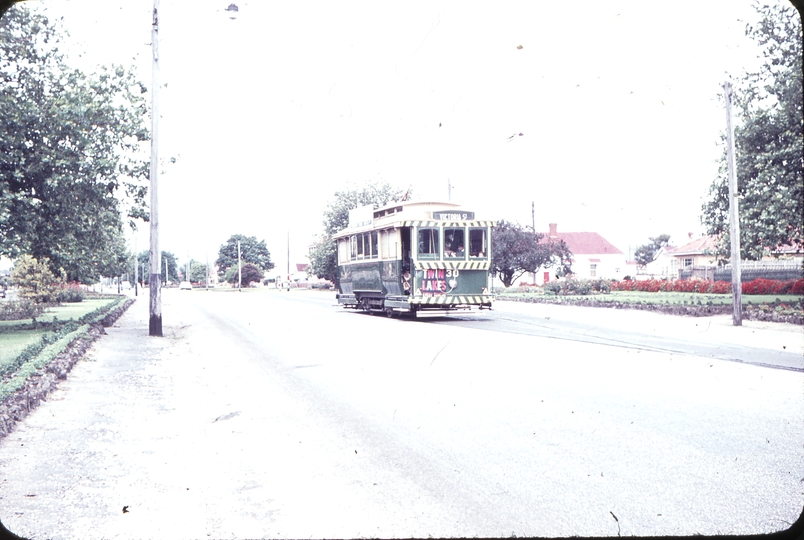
273, 414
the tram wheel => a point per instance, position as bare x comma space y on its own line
389, 313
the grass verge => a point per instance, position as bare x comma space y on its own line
775, 308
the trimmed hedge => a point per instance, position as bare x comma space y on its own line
756, 286
27, 363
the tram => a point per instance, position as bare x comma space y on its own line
415, 258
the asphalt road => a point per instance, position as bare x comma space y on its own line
778, 346
278, 415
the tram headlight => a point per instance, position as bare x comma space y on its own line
453, 283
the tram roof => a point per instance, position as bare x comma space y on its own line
410, 213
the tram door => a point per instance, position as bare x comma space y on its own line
404, 235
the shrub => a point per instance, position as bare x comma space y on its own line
14, 310
34, 280
756, 286
552, 287
70, 292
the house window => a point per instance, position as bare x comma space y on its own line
593, 270
687, 262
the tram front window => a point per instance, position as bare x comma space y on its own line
477, 243
454, 243
428, 243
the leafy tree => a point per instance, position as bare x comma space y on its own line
251, 273
517, 250
68, 153
324, 260
198, 272
336, 216
647, 252
35, 280
169, 267
323, 257
251, 251
768, 143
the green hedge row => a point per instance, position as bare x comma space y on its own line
30, 363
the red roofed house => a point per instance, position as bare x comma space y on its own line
668, 261
592, 256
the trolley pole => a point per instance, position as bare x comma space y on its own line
155, 300
734, 216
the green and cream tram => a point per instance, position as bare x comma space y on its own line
419, 258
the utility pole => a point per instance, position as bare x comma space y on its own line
155, 301
239, 269
734, 217
533, 224
136, 268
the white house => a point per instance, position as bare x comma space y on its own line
592, 256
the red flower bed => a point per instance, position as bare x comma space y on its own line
757, 286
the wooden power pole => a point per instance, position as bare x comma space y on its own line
734, 216
155, 300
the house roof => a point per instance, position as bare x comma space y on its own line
301, 267
695, 247
585, 243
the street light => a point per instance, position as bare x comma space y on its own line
155, 300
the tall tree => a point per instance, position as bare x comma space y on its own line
251, 251
517, 250
768, 140
249, 273
323, 256
68, 153
647, 252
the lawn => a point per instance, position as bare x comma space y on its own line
12, 343
76, 310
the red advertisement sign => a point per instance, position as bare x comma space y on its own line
434, 282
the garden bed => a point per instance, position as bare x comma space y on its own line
773, 312
29, 385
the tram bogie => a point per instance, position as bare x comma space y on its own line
415, 258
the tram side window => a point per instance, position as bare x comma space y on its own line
477, 243
353, 246
360, 246
343, 250
374, 247
454, 244
428, 243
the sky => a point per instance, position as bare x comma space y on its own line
267, 115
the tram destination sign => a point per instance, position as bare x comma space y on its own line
452, 215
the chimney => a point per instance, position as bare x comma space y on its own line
553, 233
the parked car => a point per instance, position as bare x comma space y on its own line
185, 286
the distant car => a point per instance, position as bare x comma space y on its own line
185, 286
